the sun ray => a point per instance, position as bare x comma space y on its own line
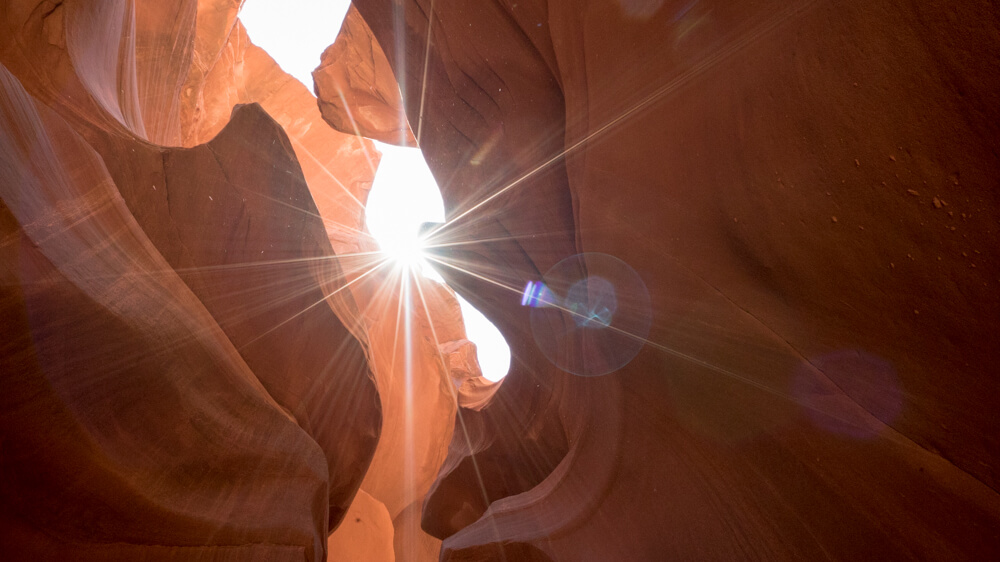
710, 61
325, 298
423, 80
409, 451
718, 369
458, 410
516, 290
430, 245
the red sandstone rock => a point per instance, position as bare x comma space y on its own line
356, 89
678, 116
474, 390
418, 391
237, 221
232, 225
367, 533
130, 417
338, 168
417, 394
705, 141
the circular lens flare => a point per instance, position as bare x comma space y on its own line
590, 314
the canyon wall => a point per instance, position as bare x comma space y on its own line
807, 190
205, 357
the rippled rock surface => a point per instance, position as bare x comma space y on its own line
199, 362
807, 191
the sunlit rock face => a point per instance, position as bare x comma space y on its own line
357, 91
201, 359
151, 402
338, 168
176, 374
807, 190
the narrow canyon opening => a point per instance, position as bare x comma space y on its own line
404, 194
742, 256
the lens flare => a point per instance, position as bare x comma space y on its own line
536, 294
591, 314
592, 302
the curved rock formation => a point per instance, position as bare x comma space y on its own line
181, 386
130, 399
807, 191
338, 168
356, 89
784, 178
237, 229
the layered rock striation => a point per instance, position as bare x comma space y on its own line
205, 357
807, 192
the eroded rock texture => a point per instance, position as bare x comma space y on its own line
357, 91
808, 191
134, 395
191, 371
338, 168
183, 370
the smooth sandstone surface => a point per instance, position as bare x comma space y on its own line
240, 228
172, 288
807, 191
127, 401
366, 534
200, 362
357, 92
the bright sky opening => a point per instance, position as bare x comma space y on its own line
404, 194
294, 32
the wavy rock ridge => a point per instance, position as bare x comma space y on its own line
200, 362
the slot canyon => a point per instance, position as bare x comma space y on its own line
744, 256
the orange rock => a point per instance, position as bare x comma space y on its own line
339, 168
133, 396
236, 220
356, 89
150, 375
563, 129
474, 390
366, 533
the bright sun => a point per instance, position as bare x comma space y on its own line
404, 194
410, 253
